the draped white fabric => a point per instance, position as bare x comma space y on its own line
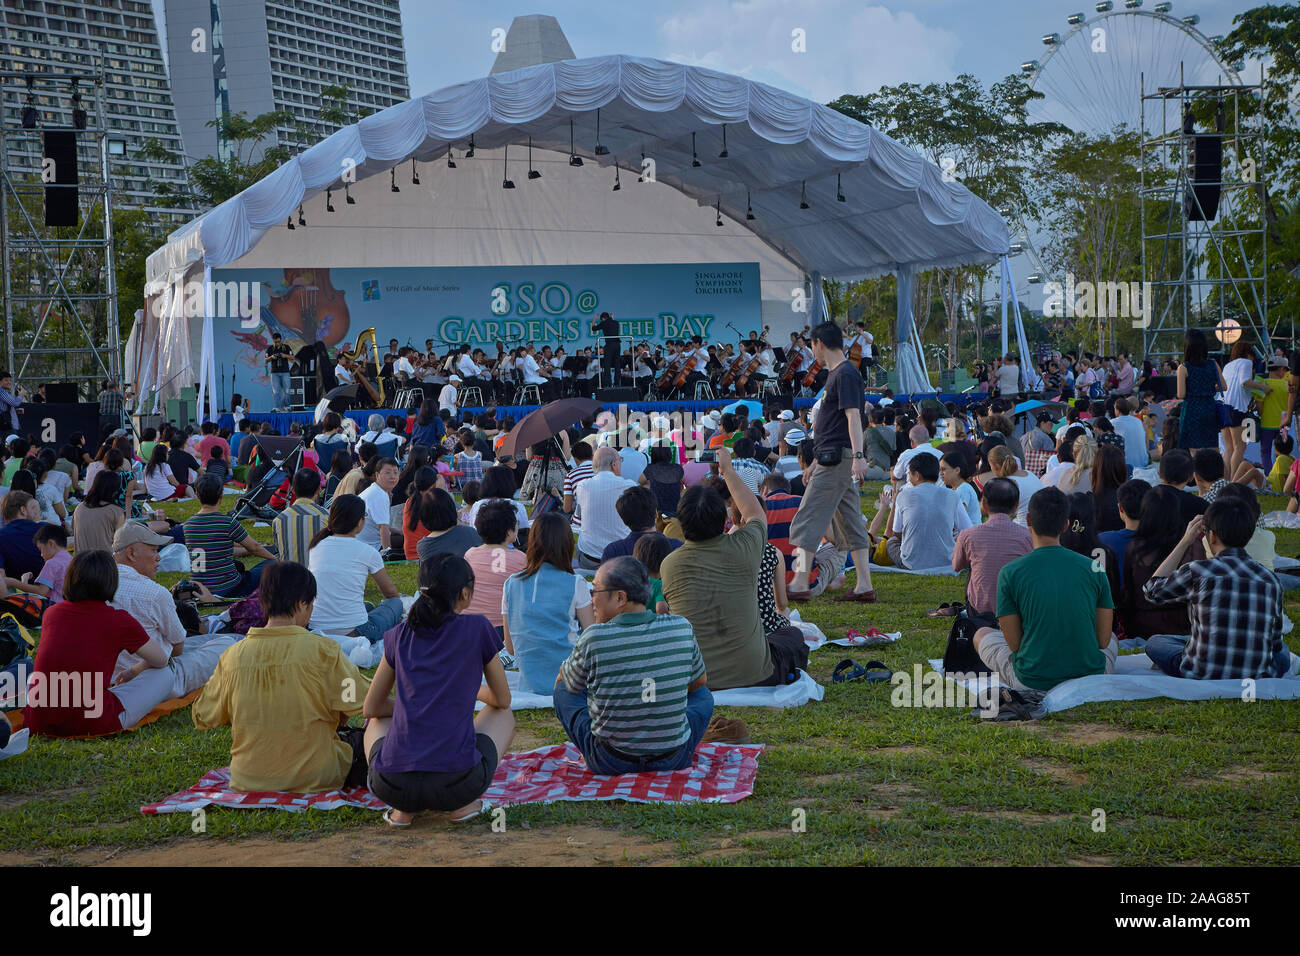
1029, 376
912, 375
897, 208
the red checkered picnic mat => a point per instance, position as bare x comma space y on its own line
213, 789
721, 773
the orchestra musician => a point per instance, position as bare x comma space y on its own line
864, 342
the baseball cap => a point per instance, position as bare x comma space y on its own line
794, 436
786, 415
133, 532
1277, 361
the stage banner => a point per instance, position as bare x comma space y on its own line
477, 305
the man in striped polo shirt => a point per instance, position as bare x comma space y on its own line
828, 564
633, 695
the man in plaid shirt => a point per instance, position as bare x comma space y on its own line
1235, 603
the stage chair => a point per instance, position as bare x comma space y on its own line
704, 391
464, 394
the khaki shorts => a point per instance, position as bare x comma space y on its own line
994, 652
831, 499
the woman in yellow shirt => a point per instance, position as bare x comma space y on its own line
287, 694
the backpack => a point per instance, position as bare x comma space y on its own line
960, 656
15, 642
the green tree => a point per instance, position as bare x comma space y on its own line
213, 180
981, 137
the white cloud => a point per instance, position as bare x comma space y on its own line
850, 48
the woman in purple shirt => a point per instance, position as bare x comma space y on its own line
425, 751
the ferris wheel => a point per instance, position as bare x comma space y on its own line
1093, 75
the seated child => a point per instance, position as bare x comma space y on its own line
650, 550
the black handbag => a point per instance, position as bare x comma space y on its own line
960, 656
828, 457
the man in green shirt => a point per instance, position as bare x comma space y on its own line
712, 581
1054, 608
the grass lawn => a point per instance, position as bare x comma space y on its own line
1180, 783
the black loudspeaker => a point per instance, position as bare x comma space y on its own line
52, 423
1205, 161
61, 193
64, 393
616, 395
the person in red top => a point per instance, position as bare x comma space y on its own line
68, 693
413, 530
211, 440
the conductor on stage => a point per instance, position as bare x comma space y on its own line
607, 327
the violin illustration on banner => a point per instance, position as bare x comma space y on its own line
310, 306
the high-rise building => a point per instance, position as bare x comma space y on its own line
62, 37
259, 56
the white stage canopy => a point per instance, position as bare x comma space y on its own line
896, 215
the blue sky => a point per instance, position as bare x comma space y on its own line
851, 46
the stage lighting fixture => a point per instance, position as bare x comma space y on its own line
717, 209
329, 200
803, 195
574, 158
1075, 19
506, 181
301, 220
469, 153
289, 222
695, 160
392, 180
749, 207
532, 173
451, 163
78, 112
601, 150
723, 154
347, 195
617, 184
30, 115
839, 193
641, 176
415, 176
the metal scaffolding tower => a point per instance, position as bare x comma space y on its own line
60, 291
1207, 268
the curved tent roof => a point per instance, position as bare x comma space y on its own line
896, 211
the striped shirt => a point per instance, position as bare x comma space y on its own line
751, 472
986, 549
295, 527
781, 509
1236, 609
635, 671
211, 539
571, 481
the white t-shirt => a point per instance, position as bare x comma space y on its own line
342, 374
1235, 374
900, 466
157, 484
377, 507
969, 500
447, 397
1029, 485
341, 566
520, 511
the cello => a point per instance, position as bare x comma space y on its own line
792, 366
669, 376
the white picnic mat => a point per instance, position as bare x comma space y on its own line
791, 695
17, 744
945, 570
1135, 679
